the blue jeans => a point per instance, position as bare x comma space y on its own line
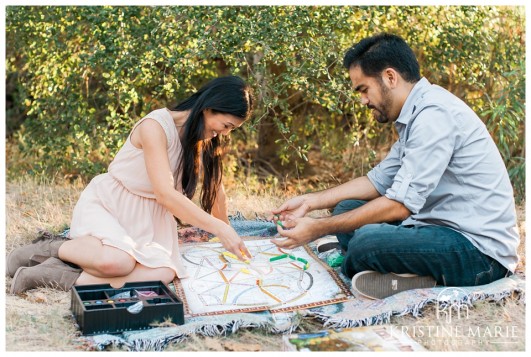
440, 252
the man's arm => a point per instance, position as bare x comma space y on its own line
303, 230
379, 210
359, 188
300, 231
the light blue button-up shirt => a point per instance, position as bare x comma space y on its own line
446, 169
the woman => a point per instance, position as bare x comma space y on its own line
123, 227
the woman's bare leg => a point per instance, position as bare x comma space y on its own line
96, 258
139, 273
103, 264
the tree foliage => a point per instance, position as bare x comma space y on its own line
78, 78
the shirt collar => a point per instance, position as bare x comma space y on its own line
409, 106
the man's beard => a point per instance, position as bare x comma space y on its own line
382, 114
379, 115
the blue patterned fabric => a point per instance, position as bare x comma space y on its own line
359, 311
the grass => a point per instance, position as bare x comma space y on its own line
40, 319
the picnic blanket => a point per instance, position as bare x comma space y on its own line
358, 311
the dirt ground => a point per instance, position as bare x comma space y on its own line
40, 320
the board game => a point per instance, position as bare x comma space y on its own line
360, 339
272, 279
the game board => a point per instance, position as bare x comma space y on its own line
273, 279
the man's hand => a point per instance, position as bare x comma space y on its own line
298, 232
291, 209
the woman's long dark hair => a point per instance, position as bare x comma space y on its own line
226, 95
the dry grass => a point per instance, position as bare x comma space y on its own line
40, 320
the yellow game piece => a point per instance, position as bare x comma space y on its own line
214, 240
246, 271
245, 254
230, 255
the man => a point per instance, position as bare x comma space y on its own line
439, 209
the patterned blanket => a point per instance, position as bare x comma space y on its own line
357, 311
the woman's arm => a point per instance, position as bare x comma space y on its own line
151, 138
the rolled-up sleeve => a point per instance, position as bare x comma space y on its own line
382, 175
426, 153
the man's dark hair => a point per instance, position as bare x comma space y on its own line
376, 53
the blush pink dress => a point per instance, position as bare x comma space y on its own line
119, 206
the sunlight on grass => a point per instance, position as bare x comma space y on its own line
33, 204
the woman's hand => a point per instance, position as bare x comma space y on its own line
233, 243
